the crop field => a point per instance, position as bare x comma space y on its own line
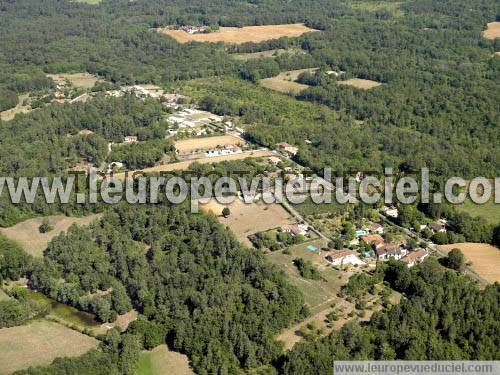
83, 80
29, 237
235, 35
161, 361
19, 108
363, 84
493, 31
187, 146
39, 343
485, 258
248, 219
183, 165
285, 82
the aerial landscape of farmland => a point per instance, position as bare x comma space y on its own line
248, 187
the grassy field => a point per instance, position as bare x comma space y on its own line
235, 35
493, 31
39, 343
310, 208
485, 259
161, 361
363, 84
187, 146
285, 82
3, 296
248, 219
489, 211
83, 80
29, 237
316, 292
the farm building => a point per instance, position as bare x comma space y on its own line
295, 229
343, 258
226, 150
130, 139
415, 257
387, 252
437, 227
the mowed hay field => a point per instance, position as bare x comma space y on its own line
161, 361
285, 82
239, 35
39, 343
186, 146
363, 84
29, 237
84, 80
183, 165
493, 31
248, 219
485, 258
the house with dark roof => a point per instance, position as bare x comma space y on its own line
389, 251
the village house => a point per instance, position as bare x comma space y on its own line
437, 227
292, 150
295, 229
374, 239
389, 251
339, 258
130, 139
415, 257
376, 228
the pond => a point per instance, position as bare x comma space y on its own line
66, 313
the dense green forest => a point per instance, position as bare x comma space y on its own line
443, 317
214, 300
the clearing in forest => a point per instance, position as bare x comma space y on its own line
28, 235
19, 108
493, 31
485, 258
187, 146
39, 343
285, 82
239, 35
161, 360
84, 80
364, 84
247, 219
269, 54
